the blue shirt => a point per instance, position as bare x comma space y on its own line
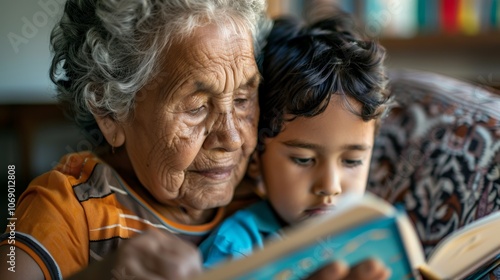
240, 234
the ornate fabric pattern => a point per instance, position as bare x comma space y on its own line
438, 153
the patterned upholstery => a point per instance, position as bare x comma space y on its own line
438, 153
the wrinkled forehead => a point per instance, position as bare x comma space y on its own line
226, 33
216, 40
228, 27
219, 57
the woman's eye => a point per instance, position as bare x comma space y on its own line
303, 161
241, 102
197, 111
352, 163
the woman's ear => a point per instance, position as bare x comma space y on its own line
253, 171
112, 131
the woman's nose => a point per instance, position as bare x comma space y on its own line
224, 134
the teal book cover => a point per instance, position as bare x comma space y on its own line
378, 239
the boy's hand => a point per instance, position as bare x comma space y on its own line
369, 269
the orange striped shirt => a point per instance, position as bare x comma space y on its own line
82, 210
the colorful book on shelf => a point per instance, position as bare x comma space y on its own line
494, 14
487, 10
469, 14
449, 16
428, 16
362, 228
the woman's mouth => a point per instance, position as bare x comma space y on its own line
220, 173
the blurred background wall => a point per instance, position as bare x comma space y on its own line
459, 38
33, 130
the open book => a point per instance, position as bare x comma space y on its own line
368, 227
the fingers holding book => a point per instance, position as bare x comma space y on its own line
369, 269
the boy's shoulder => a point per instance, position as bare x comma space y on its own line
244, 231
253, 219
249, 225
259, 216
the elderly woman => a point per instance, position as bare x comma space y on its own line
172, 88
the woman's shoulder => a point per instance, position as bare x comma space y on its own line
51, 209
74, 172
77, 165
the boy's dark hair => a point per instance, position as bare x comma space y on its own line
304, 65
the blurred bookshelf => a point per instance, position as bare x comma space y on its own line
458, 38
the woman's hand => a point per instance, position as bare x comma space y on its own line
369, 270
151, 255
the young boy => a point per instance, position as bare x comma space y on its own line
321, 99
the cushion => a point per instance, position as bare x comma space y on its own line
438, 153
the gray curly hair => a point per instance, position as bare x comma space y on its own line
105, 51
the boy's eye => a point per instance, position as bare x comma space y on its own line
302, 161
352, 163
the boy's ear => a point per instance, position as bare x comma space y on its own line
112, 131
253, 172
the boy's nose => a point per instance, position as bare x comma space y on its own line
328, 184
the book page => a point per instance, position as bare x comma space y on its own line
468, 248
413, 246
